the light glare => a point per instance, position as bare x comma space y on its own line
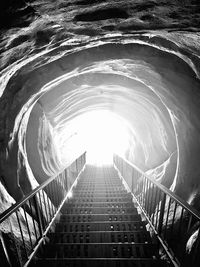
100, 133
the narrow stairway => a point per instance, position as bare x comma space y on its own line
99, 226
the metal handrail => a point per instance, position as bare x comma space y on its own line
176, 198
170, 217
34, 215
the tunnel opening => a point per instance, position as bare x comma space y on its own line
101, 114
139, 80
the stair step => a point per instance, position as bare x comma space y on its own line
100, 250
115, 190
99, 187
99, 226
104, 195
99, 262
103, 226
99, 205
101, 210
101, 237
102, 183
101, 199
98, 217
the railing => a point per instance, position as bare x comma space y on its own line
173, 220
25, 224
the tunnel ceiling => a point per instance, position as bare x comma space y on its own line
149, 78
105, 87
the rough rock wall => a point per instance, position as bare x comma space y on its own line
40, 147
169, 65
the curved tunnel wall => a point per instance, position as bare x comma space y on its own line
166, 74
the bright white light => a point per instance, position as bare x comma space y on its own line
69, 194
100, 133
107, 135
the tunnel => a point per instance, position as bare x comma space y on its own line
87, 103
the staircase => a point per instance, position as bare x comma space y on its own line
99, 226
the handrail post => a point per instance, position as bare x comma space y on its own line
162, 211
195, 257
5, 249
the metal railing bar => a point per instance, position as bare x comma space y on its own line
174, 214
28, 230
50, 202
154, 214
189, 223
50, 223
4, 215
166, 190
21, 233
5, 250
17, 205
169, 253
157, 210
33, 220
38, 215
162, 211
45, 205
167, 216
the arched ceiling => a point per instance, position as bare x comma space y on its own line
149, 79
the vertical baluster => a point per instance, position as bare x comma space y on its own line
162, 210
41, 223
27, 226
150, 199
196, 257
155, 204
139, 193
189, 223
158, 209
143, 196
63, 185
142, 191
145, 204
51, 193
48, 203
76, 167
180, 221
5, 249
55, 193
45, 207
172, 226
22, 236
33, 220
19, 259
148, 192
166, 220
63, 182
133, 182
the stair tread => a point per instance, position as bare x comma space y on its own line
100, 262
100, 226
136, 250
98, 214
91, 232
124, 237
